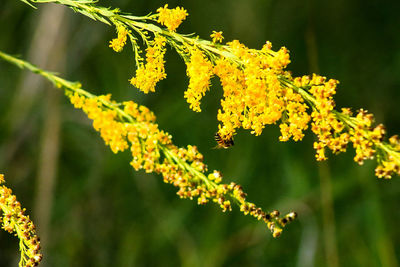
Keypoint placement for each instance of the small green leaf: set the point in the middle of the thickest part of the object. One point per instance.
(87, 14)
(28, 3)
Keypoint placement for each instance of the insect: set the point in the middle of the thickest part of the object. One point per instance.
(223, 143)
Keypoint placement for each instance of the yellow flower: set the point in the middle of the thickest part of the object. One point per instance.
(129, 125)
(253, 94)
(171, 18)
(360, 138)
(148, 75)
(296, 116)
(217, 36)
(104, 121)
(231, 113)
(199, 70)
(387, 168)
(118, 43)
(13, 220)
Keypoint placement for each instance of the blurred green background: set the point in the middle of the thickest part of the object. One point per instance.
(92, 209)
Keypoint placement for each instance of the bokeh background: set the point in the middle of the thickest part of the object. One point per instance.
(92, 209)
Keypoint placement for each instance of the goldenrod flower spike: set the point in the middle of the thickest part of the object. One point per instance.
(14, 221)
(336, 129)
(130, 126)
(257, 89)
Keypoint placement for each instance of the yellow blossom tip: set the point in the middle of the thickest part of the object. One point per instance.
(117, 44)
(148, 75)
(171, 18)
(217, 37)
(199, 70)
(14, 220)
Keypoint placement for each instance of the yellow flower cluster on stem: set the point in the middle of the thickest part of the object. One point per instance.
(336, 129)
(171, 18)
(257, 88)
(199, 70)
(130, 126)
(259, 91)
(118, 43)
(14, 221)
(149, 74)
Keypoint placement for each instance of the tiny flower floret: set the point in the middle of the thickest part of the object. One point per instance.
(217, 37)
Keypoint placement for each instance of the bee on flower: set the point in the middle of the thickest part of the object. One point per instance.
(223, 142)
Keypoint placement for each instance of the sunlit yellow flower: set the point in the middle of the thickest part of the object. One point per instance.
(14, 220)
(171, 18)
(217, 36)
(149, 74)
(118, 43)
(104, 121)
(128, 125)
(199, 70)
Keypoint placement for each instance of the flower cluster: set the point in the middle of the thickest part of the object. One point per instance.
(336, 129)
(253, 96)
(325, 125)
(361, 139)
(149, 74)
(171, 18)
(257, 88)
(199, 70)
(113, 133)
(14, 220)
(232, 105)
(118, 43)
(389, 163)
(128, 125)
(253, 93)
(257, 91)
(295, 119)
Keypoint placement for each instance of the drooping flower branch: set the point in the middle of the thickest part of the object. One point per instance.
(257, 89)
(129, 126)
(14, 221)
